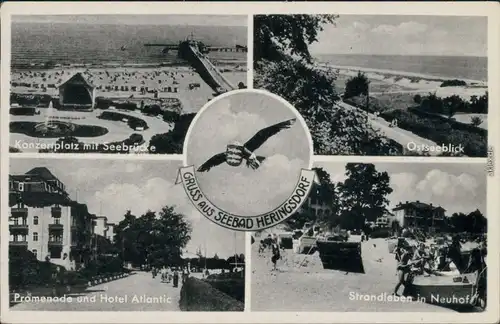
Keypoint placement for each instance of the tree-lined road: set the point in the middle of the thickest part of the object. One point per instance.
(138, 292)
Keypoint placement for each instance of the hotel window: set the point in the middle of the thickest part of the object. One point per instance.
(35, 252)
(57, 221)
(35, 220)
(16, 221)
(35, 236)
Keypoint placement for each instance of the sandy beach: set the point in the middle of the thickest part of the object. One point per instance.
(180, 82)
(398, 88)
(122, 82)
(311, 288)
(387, 82)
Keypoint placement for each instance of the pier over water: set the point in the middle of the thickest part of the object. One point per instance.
(195, 53)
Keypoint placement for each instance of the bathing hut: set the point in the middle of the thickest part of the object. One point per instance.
(77, 93)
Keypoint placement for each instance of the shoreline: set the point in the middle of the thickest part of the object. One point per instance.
(109, 65)
(395, 73)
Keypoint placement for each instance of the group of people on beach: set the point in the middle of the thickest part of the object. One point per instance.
(414, 260)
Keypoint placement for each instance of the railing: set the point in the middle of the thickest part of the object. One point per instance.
(19, 212)
(18, 227)
(55, 242)
(56, 226)
(18, 243)
(56, 212)
(218, 79)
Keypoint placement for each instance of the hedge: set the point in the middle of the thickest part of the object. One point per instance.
(200, 296)
(24, 111)
(440, 132)
(133, 122)
(232, 287)
(455, 124)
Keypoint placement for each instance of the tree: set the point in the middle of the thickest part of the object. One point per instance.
(417, 99)
(477, 222)
(458, 222)
(479, 105)
(453, 104)
(301, 217)
(432, 104)
(357, 85)
(171, 233)
(165, 143)
(363, 194)
(172, 142)
(151, 238)
(476, 121)
(275, 36)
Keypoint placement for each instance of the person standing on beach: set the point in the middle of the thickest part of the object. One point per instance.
(275, 252)
(403, 268)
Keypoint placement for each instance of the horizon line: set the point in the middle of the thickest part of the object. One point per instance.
(388, 54)
(125, 24)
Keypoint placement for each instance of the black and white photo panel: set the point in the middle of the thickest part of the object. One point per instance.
(398, 85)
(379, 237)
(118, 84)
(110, 235)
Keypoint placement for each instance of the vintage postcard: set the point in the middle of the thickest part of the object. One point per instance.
(230, 162)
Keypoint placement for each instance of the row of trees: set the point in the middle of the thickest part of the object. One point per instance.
(474, 222)
(453, 104)
(284, 66)
(215, 262)
(153, 238)
(362, 196)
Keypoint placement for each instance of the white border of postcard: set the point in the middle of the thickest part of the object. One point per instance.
(491, 10)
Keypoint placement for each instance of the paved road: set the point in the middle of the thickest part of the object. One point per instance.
(105, 297)
(399, 135)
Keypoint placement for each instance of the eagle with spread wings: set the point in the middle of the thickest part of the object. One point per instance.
(236, 153)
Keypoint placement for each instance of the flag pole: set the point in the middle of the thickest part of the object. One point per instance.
(235, 254)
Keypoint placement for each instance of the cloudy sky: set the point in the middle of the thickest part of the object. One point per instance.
(404, 35)
(197, 20)
(241, 190)
(455, 187)
(121, 185)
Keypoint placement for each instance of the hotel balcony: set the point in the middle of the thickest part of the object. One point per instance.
(56, 227)
(55, 242)
(19, 212)
(19, 227)
(19, 243)
(56, 212)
